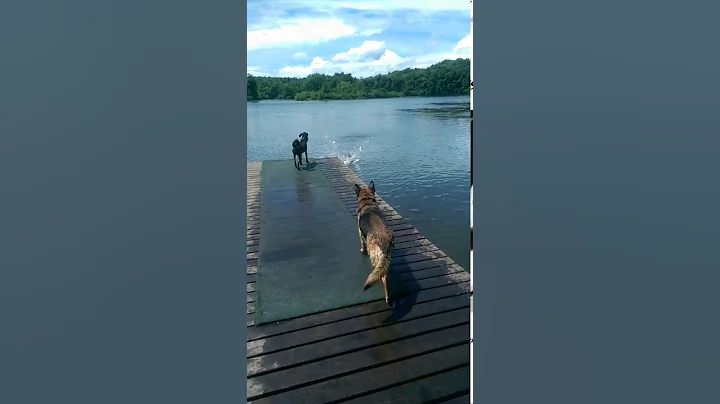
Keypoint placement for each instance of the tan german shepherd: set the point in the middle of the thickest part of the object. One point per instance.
(376, 237)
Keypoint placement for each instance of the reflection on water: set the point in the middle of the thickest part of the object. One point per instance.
(449, 110)
(417, 150)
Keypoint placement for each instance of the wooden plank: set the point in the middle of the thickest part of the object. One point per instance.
(350, 326)
(431, 273)
(399, 226)
(325, 349)
(463, 399)
(448, 279)
(413, 240)
(398, 239)
(419, 265)
(405, 232)
(327, 369)
(254, 198)
(314, 320)
(353, 385)
(447, 387)
(423, 256)
(349, 199)
(396, 223)
(414, 251)
(450, 274)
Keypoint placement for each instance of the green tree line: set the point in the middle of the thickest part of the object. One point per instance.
(449, 77)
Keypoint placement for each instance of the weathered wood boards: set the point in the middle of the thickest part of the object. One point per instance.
(366, 353)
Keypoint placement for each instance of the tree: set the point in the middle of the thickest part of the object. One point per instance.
(252, 88)
(450, 77)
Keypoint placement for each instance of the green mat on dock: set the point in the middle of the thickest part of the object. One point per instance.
(309, 257)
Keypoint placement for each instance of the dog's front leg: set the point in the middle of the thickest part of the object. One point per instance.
(363, 244)
(306, 159)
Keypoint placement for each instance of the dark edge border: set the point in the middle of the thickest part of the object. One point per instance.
(242, 323)
(473, 323)
(472, 199)
(122, 136)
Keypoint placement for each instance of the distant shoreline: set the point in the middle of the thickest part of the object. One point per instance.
(447, 78)
(362, 98)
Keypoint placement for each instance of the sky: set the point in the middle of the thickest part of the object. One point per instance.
(295, 38)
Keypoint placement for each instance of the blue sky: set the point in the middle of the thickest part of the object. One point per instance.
(294, 38)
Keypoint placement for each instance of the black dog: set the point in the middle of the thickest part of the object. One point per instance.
(298, 148)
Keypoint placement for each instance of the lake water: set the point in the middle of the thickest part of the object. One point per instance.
(417, 150)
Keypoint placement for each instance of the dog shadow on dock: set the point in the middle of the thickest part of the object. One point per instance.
(309, 166)
(403, 289)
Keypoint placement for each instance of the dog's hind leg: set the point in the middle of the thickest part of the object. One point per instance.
(363, 242)
(385, 288)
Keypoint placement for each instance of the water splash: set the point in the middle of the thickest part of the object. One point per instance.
(349, 158)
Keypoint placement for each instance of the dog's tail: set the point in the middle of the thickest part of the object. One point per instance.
(380, 261)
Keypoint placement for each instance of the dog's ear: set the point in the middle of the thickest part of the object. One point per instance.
(372, 186)
(357, 189)
(300, 135)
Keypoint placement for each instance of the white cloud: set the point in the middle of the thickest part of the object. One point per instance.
(317, 64)
(462, 50)
(376, 5)
(300, 55)
(257, 71)
(463, 44)
(302, 32)
(372, 57)
(388, 61)
(367, 49)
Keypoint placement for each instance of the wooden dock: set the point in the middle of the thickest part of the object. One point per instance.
(360, 354)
